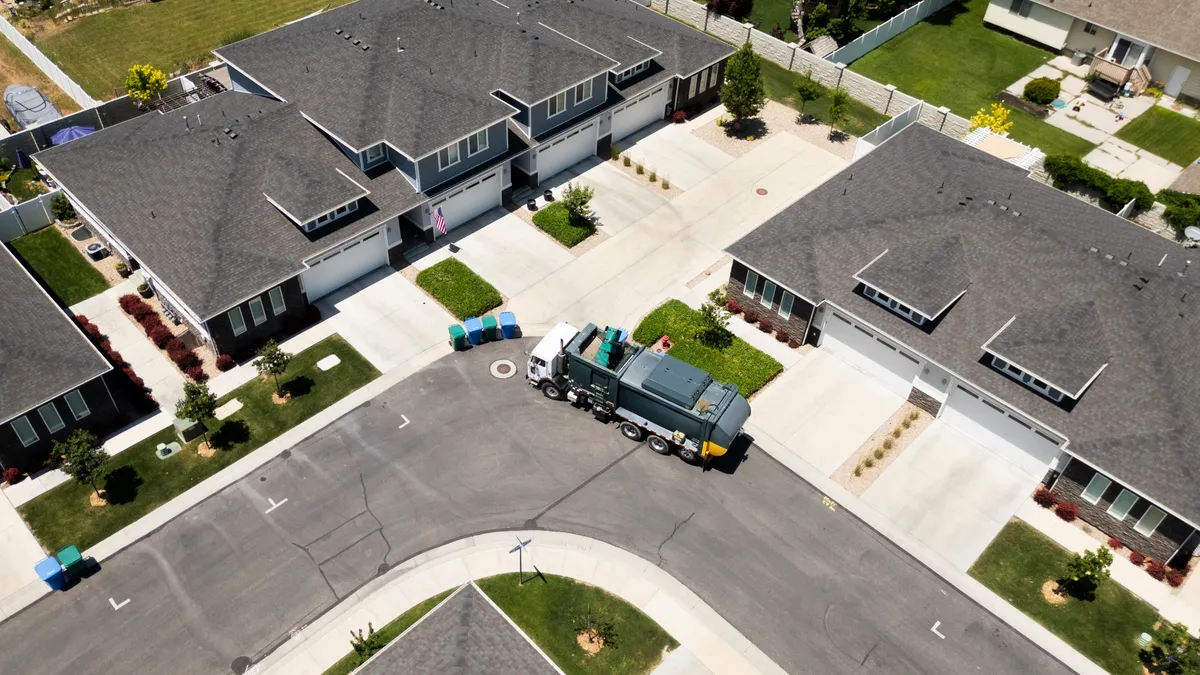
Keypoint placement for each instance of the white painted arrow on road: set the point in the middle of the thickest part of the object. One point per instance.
(274, 505)
(116, 605)
(935, 629)
(405, 422)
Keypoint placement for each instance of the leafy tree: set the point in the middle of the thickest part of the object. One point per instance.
(84, 458)
(144, 82)
(366, 646)
(198, 403)
(996, 120)
(61, 207)
(714, 321)
(807, 90)
(576, 199)
(1173, 652)
(1089, 567)
(5, 162)
(596, 627)
(272, 361)
(839, 106)
(816, 22)
(743, 94)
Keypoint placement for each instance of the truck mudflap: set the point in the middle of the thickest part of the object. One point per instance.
(711, 449)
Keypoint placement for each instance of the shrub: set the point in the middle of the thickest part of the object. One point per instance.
(81, 320)
(1044, 497)
(734, 9)
(888, 444)
(186, 360)
(749, 317)
(1137, 558)
(197, 374)
(626, 161)
(906, 423)
(869, 462)
(679, 116)
(721, 121)
(666, 184)
(640, 169)
(93, 331)
(11, 475)
(1175, 578)
(133, 377)
(897, 432)
(653, 176)
(733, 306)
(781, 336)
(160, 335)
(1183, 209)
(1068, 511)
(115, 356)
(879, 453)
(1156, 570)
(1068, 170)
(1115, 544)
(149, 322)
(765, 326)
(613, 152)
(1042, 90)
(225, 362)
(858, 470)
(128, 301)
(61, 207)
(174, 345)
(794, 344)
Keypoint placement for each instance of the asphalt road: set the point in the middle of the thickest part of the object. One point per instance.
(813, 587)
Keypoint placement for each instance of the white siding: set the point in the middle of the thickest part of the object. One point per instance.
(1044, 25)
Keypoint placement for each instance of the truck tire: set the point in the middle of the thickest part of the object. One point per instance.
(552, 392)
(659, 444)
(688, 455)
(632, 431)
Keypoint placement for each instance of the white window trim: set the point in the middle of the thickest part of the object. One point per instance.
(692, 85)
(481, 141)
(787, 300)
(448, 164)
(237, 311)
(1096, 477)
(370, 159)
(554, 101)
(261, 315)
(1117, 40)
(330, 216)
(580, 87)
(703, 80)
(1089, 28)
(50, 427)
(86, 410)
(893, 304)
(765, 299)
(1027, 379)
(1162, 515)
(748, 287)
(277, 308)
(29, 426)
(1112, 507)
(712, 75)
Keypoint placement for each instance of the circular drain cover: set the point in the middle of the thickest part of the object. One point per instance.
(761, 191)
(383, 568)
(285, 454)
(241, 664)
(503, 369)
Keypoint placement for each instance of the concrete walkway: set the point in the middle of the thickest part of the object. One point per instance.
(708, 643)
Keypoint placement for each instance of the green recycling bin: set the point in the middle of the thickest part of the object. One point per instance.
(458, 338)
(72, 562)
(490, 328)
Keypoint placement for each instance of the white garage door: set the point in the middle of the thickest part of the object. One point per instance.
(994, 427)
(874, 355)
(338, 268)
(572, 147)
(647, 108)
(463, 204)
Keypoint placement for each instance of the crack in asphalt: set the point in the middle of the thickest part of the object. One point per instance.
(532, 523)
(672, 535)
(367, 504)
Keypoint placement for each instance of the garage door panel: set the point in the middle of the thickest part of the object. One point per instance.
(338, 268)
(1007, 434)
(877, 357)
(573, 147)
(463, 204)
(636, 115)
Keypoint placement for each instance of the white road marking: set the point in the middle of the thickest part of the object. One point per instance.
(935, 630)
(405, 422)
(274, 505)
(116, 605)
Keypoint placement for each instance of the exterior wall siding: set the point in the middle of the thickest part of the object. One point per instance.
(243, 346)
(573, 112)
(240, 82)
(103, 418)
(1160, 545)
(1163, 64)
(924, 401)
(431, 176)
(1079, 41)
(795, 326)
(702, 98)
(1043, 25)
(404, 164)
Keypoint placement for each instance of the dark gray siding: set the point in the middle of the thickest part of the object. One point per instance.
(403, 163)
(541, 124)
(704, 97)
(243, 346)
(241, 82)
(103, 417)
(431, 177)
(794, 326)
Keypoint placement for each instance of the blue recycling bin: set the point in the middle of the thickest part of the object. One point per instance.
(474, 330)
(49, 571)
(508, 325)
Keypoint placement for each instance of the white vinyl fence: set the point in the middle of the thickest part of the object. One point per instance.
(47, 66)
(884, 131)
(25, 217)
(886, 31)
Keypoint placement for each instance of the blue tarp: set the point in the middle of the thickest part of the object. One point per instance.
(68, 134)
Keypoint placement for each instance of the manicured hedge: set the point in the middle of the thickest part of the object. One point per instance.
(1068, 170)
(555, 221)
(460, 290)
(1042, 90)
(1183, 208)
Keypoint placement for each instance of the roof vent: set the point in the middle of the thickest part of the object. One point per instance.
(347, 36)
(356, 42)
(1183, 272)
(1093, 249)
(1003, 207)
(366, 47)
(337, 31)
(991, 202)
(1016, 213)
(399, 48)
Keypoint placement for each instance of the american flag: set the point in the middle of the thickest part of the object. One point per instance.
(439, 221)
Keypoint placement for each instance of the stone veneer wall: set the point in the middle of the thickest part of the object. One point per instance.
(795, 326)
(924, 401)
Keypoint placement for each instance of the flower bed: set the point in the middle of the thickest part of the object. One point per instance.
(184, 358)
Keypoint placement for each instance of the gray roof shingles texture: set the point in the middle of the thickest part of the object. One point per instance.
(43, 354)
(1139, 419)
(926, 275)
(1173, 25)
(464, 636)
(193, 210)
(1063, 344)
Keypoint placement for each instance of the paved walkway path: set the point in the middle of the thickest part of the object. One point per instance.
(708, 643)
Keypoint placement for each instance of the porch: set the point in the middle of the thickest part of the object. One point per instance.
(1112, 72)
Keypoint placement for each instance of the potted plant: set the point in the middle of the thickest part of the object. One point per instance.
(123, 270)
(144, 290)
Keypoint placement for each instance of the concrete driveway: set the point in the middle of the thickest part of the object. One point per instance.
(951, 493)
(823, 409)
(672, 151)
(619, 201)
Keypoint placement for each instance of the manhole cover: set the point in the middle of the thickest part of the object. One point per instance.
(503, 369)
(383, 568)
(761, 191)
(240, 665)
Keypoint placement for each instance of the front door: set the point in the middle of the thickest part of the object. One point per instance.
(1179, 77)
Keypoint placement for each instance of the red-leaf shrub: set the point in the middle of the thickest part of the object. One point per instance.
(225, 362)
(679, 117)
(93, 331)
(174, 345)
(733, 306)
(128, 301)
(133, 377)
(197, 373)
(748, 317)
(12, 474)
(1175, 578)
(1115, 544)
(1136, 558)
(81, 320)
(765, 326)
(1156, 570)
(1044, 498)
(793, 344)
(1068, 511)
(115, 356)
(149, 321)
(160, 335)
(185, 359)
(781, 336)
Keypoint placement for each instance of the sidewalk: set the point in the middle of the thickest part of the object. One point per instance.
(708, 643)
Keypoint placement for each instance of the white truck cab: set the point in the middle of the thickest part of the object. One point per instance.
(541, 367)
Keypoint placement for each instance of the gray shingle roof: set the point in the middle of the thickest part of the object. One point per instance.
(43, 354)
(1063, 344)
(926, 275)
(305, 191)
(465, 636)
(1168, 24)
(1139, 419)
(189, 202)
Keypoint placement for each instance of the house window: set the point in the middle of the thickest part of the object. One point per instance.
(237, 321)
(768, 293)
(1089, 28)
(477, 143)
(277, 305)
(894, 305)
(785, 305)
(373, 155)
(332, 215)
(692, 85)
(703, 80)
(448, 156)
(583, 92)
(1027, 379)
(751, 283)
(50, 416)
(712, 75)
(1095, 488)
(1019, 7)
(1122, 504)
(258, 313)
(630, 72)
(556, 104)
(25, 432)
(1148, 523)
(77, 405)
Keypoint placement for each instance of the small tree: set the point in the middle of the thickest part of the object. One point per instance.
(1087, 567)
(1173, 652)
(272, 361)
(807, 90)
(61, 207)
(839, 105)
(743, 94)
(84, 459)
(366, 646)
(816, 21)
(198, 403)
(576, 199)
(596, 627)
(996, 120)
(714, 321)
(144, 82)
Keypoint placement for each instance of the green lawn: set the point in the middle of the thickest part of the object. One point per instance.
(138, 481)
(556, 222)
(766, 14)
(462, 292)
(389, 632)
(1104, 629)
(24, 184)
(60, 266)
(545, 611)
(952, 59)
(780, 84)
(1165, 133)
(738, 363)
(96, 51)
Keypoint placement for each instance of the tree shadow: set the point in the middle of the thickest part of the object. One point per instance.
(297, 387)
(745, 128)
(231, 433)
(838, 136)
(1084, 589)
(121, 485)
(944, 17)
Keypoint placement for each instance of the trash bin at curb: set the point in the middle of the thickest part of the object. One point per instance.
(489, 328)
(458, 338)
(508, 325)
(72, 563)
(474, 330)
(49, 571)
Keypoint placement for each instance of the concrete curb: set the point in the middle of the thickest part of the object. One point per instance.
(714, 643)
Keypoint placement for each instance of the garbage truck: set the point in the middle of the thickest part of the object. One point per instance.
(674, 406)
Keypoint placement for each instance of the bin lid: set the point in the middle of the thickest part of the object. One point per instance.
(47, 568)
(508, 319)
(473, 323)
(457, 331)
(489, 321)
(69, 556)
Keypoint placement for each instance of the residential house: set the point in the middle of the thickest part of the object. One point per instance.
(1162, 35)
(53, 380)
(1059, 335)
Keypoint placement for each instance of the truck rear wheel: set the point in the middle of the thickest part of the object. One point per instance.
(689, 455)
(659, 445)
(551, 391)
(632, 431)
